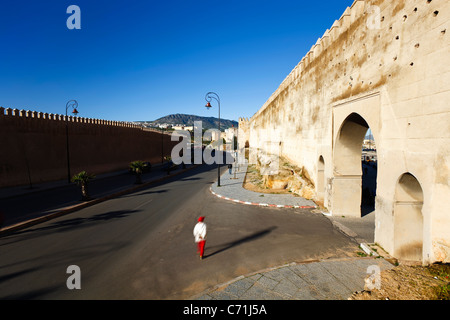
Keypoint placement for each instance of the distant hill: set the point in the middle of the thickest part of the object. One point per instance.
(188, 120)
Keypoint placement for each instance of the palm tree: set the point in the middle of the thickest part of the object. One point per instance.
(168, 159)
(137, 167)
(82, 180)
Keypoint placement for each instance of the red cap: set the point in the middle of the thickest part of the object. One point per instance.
(201, 219)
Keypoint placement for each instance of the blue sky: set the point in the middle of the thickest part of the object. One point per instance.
(141, 60)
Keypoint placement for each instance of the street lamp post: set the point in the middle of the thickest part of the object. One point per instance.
(162, 145)
(209, 96)
(70, 104)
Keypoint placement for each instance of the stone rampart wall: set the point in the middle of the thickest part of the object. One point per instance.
(33, 147)
(384, 65)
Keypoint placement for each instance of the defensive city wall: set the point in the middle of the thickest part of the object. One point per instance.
(383, 65)
(34, 146)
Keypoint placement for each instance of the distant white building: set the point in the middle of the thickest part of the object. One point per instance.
(164, 126)
(369, 144)
(183, 127)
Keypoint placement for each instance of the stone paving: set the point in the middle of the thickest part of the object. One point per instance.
(322, 280)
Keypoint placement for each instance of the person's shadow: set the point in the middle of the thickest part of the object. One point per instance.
(235, 243)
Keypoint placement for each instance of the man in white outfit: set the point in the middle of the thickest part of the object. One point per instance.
(200, 236)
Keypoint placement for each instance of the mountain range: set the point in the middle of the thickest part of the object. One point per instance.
(188, 120)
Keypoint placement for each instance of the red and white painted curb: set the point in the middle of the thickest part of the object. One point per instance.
(261, 204)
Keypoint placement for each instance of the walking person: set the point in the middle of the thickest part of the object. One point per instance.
(200, 236)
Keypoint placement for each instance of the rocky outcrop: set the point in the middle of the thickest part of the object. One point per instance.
(278, 174)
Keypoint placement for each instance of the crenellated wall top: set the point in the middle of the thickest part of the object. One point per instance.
(9, 112)
(350, 15)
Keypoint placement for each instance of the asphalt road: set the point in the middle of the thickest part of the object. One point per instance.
(140, 246)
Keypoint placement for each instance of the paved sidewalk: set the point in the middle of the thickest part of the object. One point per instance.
(318, 280)
(322, 280)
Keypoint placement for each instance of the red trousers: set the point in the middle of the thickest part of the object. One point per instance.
(201, 247)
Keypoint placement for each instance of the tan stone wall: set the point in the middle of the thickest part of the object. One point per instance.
(243, 133)
(33, 146)
(393, 71)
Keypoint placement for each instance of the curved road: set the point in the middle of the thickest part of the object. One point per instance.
(140, 246)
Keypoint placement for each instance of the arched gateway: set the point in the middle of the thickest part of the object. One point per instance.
(408, 219)
(347, 180)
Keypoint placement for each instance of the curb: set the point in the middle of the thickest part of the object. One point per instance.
(74, 208)
(368, 250)
(261, 204)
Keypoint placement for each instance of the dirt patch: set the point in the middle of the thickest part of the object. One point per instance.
(406, 282)
(254, 181)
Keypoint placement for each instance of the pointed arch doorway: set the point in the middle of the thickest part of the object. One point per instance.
(408, 219)
(350, 195)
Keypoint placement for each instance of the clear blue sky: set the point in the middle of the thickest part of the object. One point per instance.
(141, 60)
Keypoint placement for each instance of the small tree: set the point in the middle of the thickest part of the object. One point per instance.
(82, 179)
(137, 167)
(169, 163)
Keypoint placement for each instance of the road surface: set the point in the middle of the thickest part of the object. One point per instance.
(140, 245)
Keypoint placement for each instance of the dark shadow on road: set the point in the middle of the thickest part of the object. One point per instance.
(190, 179)
(235, 243)
(146, 192)
(225, 182)
(16, 274)
(68, 224)
(32, 295)
(38, 261)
